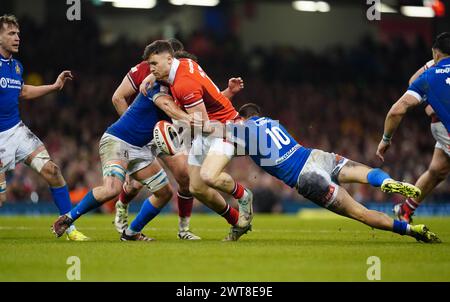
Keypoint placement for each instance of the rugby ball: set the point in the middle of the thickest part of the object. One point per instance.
(166, 137)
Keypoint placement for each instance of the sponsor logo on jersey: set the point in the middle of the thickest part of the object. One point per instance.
(288, 154)
(10, 83)
(442, 70)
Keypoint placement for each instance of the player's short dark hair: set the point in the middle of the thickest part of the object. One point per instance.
(442, 43)
(8, 20)
(157, 47)
(183, 54)
(249, 110)
(176, 44)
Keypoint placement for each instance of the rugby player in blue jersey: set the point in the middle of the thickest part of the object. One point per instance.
(126, 147)
(17, 142)
(316, 174)
(439, 167)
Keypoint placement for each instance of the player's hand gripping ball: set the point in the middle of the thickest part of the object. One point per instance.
(166, 138)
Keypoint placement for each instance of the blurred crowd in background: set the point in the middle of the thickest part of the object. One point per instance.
(335, 101)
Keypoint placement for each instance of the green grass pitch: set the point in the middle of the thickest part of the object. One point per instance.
(306, 247)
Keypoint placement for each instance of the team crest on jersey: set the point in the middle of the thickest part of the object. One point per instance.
(17, 69)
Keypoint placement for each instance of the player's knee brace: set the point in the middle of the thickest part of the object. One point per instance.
(39, 161)
(115, 170)
(157, 181)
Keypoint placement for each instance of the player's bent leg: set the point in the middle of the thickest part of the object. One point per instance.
(345, 205)
(39, 160)
(437, 171)
(112, 186)
(205, 194)
(316, 185)
(211, 173)
(130, 190)
(113, 178)
(213, 200)
(177, 164)
(52, 174)
(155, 179)
(354, 172)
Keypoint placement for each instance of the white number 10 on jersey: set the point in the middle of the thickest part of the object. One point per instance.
(278, 137)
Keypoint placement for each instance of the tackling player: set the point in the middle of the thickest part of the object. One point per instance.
(17, 142)
(316, 174)
(430, 85)
(125, 148)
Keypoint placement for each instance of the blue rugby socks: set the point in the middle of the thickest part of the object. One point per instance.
(145, 215)
(376, 177)
(61, 199)
(87, 204)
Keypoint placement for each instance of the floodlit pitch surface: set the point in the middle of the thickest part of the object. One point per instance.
(309, 247)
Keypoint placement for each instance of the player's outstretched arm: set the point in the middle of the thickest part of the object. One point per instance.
(393, 119)
(234, 86)
(32, 92)
(119, 98)
(166, 104)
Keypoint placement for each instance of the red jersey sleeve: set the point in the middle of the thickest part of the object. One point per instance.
(189, 93)
(138, 73)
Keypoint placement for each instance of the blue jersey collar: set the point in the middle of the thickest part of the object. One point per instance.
(445, 61)
(2, 58)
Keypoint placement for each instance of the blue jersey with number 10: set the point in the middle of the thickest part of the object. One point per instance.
(272, 148)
